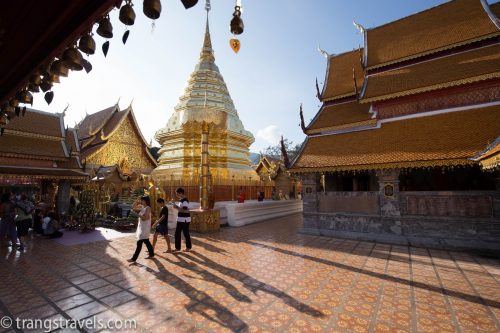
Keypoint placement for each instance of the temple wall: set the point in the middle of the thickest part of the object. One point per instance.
(450, 219)
(349, 202)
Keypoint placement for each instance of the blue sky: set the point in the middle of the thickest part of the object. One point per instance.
(272, 74)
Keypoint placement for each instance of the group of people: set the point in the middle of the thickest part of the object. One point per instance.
(160, 226)
(18, 215)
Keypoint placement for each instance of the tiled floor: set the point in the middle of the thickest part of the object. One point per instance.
(261, 278)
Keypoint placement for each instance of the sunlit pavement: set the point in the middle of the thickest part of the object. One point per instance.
(261, 278)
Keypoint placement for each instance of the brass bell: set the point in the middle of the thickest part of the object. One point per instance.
(58, 68)
(127, 14)
(36, 79)
(45, 85)
(33, 88)
(152, 8)
(72, 59)
(51, 78)
(87, 44)
(105, 29)
(237, 23)
(13, 102)
(24, 96)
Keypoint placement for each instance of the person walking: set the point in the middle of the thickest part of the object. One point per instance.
(143, 228)
(7, 225)
(24, 218)
(161, 225)
(183, 220)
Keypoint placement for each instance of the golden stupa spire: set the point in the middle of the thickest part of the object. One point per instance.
(207, 53)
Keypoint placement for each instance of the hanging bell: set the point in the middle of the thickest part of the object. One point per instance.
(152, 8)
(58, 68)
(105, 29)
(189, 3)
(36, 79)
(72, 59)
(87, 44)
(33, 88)
(24, 96)
(127, 14)
(14, 102)
(51, 78)
(46, 85)
(237, 23)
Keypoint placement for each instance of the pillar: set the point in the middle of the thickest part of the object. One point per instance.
(204, 166)
(388, 180)
(63, 195)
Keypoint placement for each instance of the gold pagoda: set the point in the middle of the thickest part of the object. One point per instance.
(206, 100)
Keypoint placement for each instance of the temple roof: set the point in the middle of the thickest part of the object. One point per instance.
(31, 147)
(97, 128)
(339, 80)
(93, 123)
(72, 140)
(348, 114)
(43, 173)
(448, 71)
(451, 138)
(38, 122)
(439, 28)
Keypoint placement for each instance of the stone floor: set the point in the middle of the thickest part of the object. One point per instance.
(261, 278)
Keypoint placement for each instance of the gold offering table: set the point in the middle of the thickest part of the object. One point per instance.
(205, 220)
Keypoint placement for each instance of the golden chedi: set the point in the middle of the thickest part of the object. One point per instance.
(205, 100)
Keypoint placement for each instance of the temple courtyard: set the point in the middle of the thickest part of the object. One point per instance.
(265, 277)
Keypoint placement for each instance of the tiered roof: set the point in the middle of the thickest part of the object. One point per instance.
(343, 72)
(37, 145)
(439, 28)
(453, 44)
(338, 116)
(96, 129)
(452, 138)
(448, 71)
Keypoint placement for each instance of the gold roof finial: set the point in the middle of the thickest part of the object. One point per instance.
(207, 53)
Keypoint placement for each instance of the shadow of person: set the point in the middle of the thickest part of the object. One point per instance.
(199, 301)
(253, 284)
(207, 276)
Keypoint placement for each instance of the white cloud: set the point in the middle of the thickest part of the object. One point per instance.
(270, 134)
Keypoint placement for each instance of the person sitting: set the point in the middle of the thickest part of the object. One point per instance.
(38, 221)
(241, 196)
(51, 226)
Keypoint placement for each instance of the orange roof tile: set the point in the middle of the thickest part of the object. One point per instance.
(93, 123)
(452, 70)
(332, 116)
(443, 139)
(72, 140)
(37, 122)
(450, 24)
(114, 122)
(43, 173)
(31, 147)
(339, 81)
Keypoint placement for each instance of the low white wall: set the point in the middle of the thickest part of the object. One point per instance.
(239, 214)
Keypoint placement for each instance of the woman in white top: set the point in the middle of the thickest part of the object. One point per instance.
(143, 228)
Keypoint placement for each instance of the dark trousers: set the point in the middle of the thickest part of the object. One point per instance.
(139, 248)
(184, 228)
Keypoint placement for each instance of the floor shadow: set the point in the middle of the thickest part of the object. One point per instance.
(200, 301)
(208, 247)
(207, 276)
(416, 284)
(253, 284)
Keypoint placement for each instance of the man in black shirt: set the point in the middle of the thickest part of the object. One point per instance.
(161, 225)
(183, 220)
